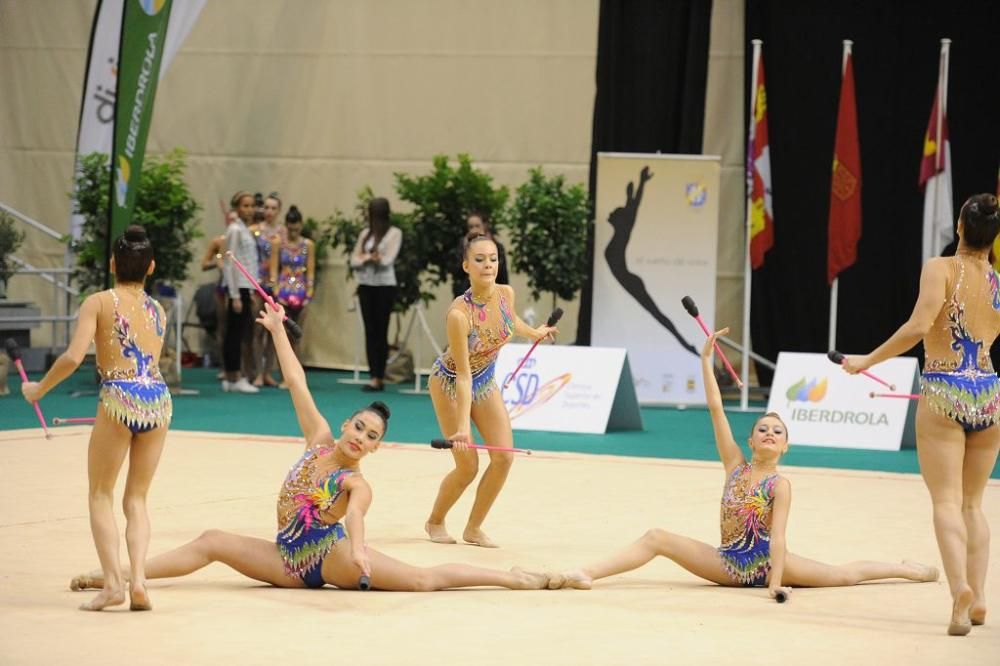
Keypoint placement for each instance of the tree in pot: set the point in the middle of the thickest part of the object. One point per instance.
(164, 206)
(441, 201)
(10, 240)
(548, 226)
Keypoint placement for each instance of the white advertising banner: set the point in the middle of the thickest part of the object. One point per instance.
(568, 389)
(97, 110)
(825, 406)
(655, 238)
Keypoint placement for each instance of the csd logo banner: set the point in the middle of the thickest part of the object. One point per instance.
(825, 406)
(568, 389)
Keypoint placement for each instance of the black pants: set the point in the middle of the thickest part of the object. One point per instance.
(237, 330)
(376, 308)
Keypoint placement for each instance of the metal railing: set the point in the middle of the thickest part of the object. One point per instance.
(63, 294)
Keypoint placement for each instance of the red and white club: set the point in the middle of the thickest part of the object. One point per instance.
(904, 396)
(692, 310)
(446, 444)
(72, 420)
(553, 320)
(839, 359)
(292, 327)
(14, 351)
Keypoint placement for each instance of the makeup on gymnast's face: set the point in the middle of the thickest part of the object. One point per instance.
(362, 433)
(481, 259)
(769, 433)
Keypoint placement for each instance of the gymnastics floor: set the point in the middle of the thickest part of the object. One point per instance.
(558, 510)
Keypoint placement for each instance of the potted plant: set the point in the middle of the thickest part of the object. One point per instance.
(441, 201)
(548, 224)
(10, 240)
(164, 206)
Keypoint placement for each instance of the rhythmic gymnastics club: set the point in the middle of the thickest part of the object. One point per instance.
(692, 310)
(905, 396)
(840, 359)
(292, 327)
(70, 421)
(446, 444)
(15, 355)
(781, 596)
(364, 583)
(553, 320)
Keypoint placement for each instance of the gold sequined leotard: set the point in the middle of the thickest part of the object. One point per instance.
(309, 518)
(490, 328)
(958, 379)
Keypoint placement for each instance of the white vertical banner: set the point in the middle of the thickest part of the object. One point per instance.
(655, 241)
(97, 109)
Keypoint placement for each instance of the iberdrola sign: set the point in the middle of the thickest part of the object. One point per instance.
(144, 28)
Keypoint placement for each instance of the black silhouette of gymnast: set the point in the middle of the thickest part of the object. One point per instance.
(622, 221)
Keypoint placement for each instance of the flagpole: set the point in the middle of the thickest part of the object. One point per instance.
(939, 156)
(833, 288)
(747, 269)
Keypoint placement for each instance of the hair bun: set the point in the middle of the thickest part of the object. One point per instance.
(989, 205)
(135, 234)
(381, 409)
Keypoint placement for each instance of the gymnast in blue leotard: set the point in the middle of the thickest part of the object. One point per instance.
(127, 328)
(957, 315)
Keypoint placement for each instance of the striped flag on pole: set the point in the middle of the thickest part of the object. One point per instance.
(935, 169)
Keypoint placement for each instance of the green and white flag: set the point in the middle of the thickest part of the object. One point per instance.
(144, 29)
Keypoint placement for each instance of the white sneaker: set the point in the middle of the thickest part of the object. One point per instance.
(227, 386)
(243, 386)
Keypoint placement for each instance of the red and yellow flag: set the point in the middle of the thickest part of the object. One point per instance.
(759, 171)
(845, 187)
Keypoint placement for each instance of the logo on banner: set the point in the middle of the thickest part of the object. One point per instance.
(696, 194)
(803, 391)
(813, 391)
(528, 391)
(152, 7)
(122, 175)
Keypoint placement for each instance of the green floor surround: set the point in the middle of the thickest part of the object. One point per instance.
(669, 432)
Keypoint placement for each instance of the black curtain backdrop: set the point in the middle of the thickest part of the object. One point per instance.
(896, 48)
(652, 64)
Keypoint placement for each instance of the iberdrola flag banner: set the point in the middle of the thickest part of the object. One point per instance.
(144, 28)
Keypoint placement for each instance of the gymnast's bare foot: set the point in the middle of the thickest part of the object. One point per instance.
(88, 581)
(923, 573)
(139, 598)
(977, 614)
(961, 624)
(529, 580)
(477, 538)
(438, 533)
(106, 597)
(576, 580)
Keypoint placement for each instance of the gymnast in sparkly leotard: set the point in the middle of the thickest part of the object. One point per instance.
(755, 505)
(321, 510)
(127, 328)
(464, 390)
(957, 316)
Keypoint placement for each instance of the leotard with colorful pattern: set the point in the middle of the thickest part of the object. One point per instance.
(746, 527)
(135, 394)
(305, 536)
(958, 379)
(489, 330)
